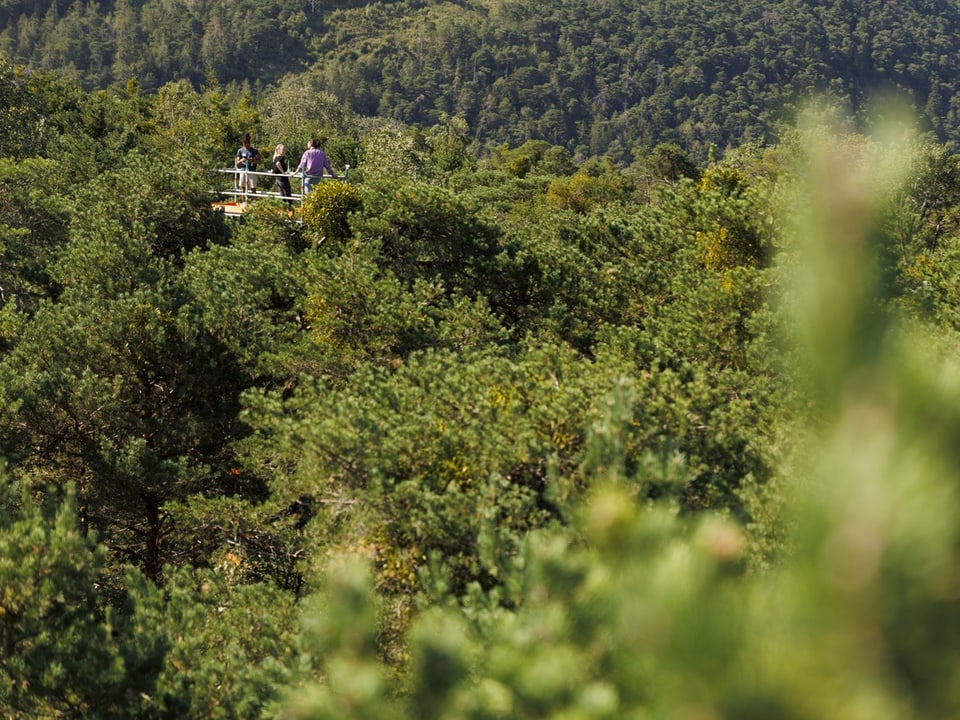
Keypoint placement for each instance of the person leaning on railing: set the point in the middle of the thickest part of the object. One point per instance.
(312, 164)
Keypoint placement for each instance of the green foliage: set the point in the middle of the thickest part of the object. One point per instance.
(671, 163)
(583, 191)
(356, 313)
(448, 141)
(544, 399)
(60, 656)
(106, 403)
(341, 633)
(391, 155)
(730, 242)
(353, 313)
(48, 575)
(430, 234)
(194, 129)
(82, 131)
(327, 209)
(33, 227)
(232, 649)
(301, 108)
(98, 382)
(248, 295)
(702, 78)
(141, 213)
(635, 610)
(528, 157)
(435, 483)
(20, 119)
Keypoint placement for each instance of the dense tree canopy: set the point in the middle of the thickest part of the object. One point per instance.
(476, 433)
(593, 78)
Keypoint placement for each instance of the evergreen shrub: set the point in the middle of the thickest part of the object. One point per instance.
(326, 210)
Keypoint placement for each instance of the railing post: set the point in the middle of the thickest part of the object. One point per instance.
(303, 189)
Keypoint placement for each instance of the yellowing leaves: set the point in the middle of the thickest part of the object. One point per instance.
(327, 208)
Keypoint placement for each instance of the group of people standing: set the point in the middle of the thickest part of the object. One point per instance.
(313, 162)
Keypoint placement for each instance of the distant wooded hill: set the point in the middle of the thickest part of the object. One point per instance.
(595, 77)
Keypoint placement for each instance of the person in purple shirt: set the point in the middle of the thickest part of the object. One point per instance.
(312, 164)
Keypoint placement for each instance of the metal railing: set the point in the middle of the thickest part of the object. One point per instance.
(241, 195)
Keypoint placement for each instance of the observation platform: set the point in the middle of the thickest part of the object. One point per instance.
(233, 201)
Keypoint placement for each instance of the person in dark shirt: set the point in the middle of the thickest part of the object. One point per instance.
(281, 170)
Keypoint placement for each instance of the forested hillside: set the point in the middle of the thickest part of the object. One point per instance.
(483, 433)
(595, 78)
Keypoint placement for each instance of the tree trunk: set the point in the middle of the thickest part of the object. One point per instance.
(151, 559)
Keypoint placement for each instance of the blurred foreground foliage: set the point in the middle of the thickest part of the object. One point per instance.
(519, 438)
(637, 609)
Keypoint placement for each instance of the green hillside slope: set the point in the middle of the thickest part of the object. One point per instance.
(593, 77)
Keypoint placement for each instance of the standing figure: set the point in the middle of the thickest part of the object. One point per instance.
(281, 170)
(312, 164)
(246, 161)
